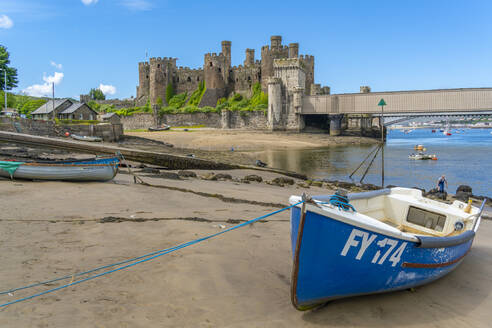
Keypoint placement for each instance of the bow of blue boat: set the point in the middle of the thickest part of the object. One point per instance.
(375, 242)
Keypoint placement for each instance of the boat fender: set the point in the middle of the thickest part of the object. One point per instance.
(439, 242)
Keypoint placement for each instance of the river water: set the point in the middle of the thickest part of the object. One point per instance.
(465, 157)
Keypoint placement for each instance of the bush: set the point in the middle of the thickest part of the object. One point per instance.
(169, 92)
(63, 121)
(178, 101)
(197, 95)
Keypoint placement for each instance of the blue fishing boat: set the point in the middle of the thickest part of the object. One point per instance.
(95, 169)
(375, 242)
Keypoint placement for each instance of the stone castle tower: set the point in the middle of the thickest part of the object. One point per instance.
(221, 79)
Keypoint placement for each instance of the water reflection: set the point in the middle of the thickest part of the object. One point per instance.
(465, 158)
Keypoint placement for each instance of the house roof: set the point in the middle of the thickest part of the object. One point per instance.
(74, 107)
(48, 107)
(108, 115)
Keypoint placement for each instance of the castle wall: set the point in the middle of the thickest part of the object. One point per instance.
(187, 80)
(215, 71)
(244, 77)
(161, 71)
(143, 88)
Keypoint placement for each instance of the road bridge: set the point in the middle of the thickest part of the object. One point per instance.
(290, 108)
(359, 110)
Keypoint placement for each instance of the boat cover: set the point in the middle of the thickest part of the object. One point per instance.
(10, 167)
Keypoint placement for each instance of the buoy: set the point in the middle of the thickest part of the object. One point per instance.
(434, 158)
(67, 134)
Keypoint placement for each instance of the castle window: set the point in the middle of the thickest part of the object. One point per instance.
(158, 65)
(177, 79)
(249, 78)
(210, 64)
(147, 76)
(220, 70)
(189, 79)
(237, 80)
(198, 78)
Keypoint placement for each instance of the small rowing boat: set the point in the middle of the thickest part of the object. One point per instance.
(375, 242)
(86, 138)
(99, 169)
(422, 156)
(164, 127)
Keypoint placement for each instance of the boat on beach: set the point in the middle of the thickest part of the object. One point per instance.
(375, 242)
(86, 138)
(98, 169)
(164, 127)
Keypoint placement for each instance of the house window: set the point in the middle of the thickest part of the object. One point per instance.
(81, 117)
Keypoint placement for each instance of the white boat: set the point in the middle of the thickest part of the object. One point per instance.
(86, 138)
(100, 169)
(423, 156)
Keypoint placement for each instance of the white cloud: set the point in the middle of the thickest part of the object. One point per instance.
(5, 22)
(142, 5)
(55, 65)
(40, 90)
(89, 2)
(107, 89)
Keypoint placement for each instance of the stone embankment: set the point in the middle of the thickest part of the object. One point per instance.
(224, 120)
(106, 131)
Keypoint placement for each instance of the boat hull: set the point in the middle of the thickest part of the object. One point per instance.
(336, 259)
(87, 170)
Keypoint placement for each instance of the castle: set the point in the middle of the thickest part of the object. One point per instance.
(221, 79)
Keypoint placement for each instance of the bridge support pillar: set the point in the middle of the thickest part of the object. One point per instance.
(336, 125)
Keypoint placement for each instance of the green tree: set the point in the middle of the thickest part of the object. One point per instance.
(11, 72)
(159, 102)
(96, 94)
(169, 92)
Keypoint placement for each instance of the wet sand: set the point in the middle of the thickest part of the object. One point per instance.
(240, 279)
(246, 140)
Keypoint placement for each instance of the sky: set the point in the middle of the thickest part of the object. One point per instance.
(387, 45)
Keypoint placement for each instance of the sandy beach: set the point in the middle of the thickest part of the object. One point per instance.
(245, 140)
(240, 279)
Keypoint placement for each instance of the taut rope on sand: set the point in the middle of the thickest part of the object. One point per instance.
(136, 260)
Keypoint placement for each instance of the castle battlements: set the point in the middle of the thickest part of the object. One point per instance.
(306, 57)
(214, 55)
(288, 63)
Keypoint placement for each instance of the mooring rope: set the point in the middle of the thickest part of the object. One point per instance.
(140, 259)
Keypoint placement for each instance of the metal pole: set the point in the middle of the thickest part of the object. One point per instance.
(5, 88)
(382, 147)
(53, 99)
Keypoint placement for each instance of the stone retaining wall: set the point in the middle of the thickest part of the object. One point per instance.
(138, 121)
(106, 131)
(225, 120)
